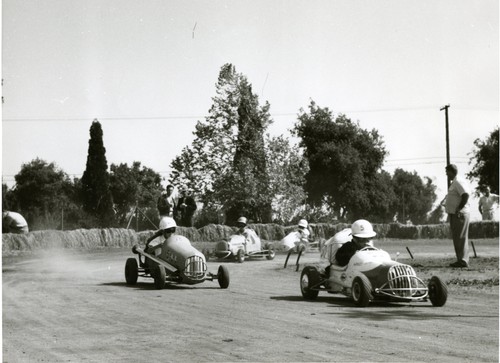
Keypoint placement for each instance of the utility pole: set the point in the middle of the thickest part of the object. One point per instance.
(445, 108)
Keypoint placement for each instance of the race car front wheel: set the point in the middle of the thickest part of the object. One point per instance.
(271, 253)
(240, 256)
(159, 276)
(309, 281)
(361, 291)
(223, 277)
(438, 292)
(131, 271)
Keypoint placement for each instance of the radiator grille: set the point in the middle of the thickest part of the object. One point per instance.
(195, 267)
(403, 280)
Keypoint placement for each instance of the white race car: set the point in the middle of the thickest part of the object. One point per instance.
(370, 275)
(174, 261)
(239, 248)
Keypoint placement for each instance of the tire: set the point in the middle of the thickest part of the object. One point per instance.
(361, 291)
(271, 254)
(308, 278)
(159, 277)
(131, 271)
(223, 277)
(240, 256)
(438, 292)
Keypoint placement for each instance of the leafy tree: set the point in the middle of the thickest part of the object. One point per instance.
(415, 197)
(210, 159)
(343, 161)
(244, 190)
(95, 186)
(287, 168)
(485, 159)
(8, 198)
(135, 186)
(381, 198)
(41, 190)
(212, 151)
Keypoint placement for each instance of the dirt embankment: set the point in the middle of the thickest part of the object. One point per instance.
(120, 237)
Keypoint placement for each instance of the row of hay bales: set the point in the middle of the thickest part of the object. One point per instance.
(120, 237)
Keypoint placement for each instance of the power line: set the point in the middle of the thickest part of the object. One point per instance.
(191, 117)
(99, 118)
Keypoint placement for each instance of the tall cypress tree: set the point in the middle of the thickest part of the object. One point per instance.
(96, 194)
(249, 165)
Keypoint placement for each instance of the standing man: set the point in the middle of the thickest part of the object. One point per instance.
(487, 203)
(166, 203)
(457, 207)
(186, 208)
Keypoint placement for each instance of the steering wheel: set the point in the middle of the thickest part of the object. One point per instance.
(369, 248)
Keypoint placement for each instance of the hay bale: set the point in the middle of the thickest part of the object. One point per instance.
(268, 232)
(215, 232)
(79, 238)
(191, 233)
(483, 229)
(435, 231)
(402, 231)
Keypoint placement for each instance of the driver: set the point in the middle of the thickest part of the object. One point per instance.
(249, 234)
(167, 229)
(362, 234)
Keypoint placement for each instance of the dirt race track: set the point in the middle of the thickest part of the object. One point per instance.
(74, 306)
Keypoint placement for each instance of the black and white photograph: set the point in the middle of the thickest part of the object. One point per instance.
(250, 181)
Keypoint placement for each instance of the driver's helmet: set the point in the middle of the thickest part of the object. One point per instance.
(363, 229)
(167, 223)
(303, 223)
(242, 220)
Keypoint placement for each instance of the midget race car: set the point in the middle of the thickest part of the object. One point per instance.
(174, 261)
(239, 248)
(295, 243)
(371, 275)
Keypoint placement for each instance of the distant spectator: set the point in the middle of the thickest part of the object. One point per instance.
(395, 218)
(166, 203)
(457, 207)
(487, 204)
(186, 208)
(13, 222)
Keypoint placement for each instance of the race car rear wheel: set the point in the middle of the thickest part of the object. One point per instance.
(438, 292)
(361, 291)
(309, 279)
(131, 271)
(240, 256)
(223, 277)
(159, 276)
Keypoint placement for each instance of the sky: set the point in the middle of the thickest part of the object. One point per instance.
(147, 71)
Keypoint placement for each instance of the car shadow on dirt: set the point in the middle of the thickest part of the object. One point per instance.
(412, 312)
(320, 299)
(416, 311)
(150, 286)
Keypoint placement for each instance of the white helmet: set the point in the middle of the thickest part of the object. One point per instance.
(303, 223)
(242, 220)
(363, 229)
(167, 222)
